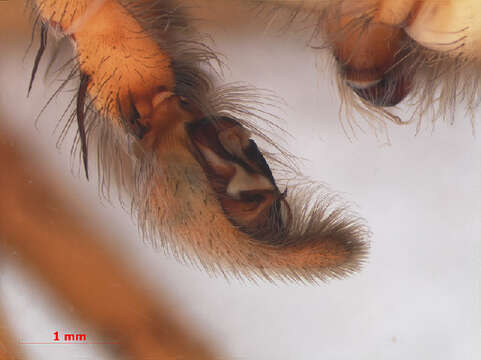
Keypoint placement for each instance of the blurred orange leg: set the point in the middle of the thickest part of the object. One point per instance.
(48, 236)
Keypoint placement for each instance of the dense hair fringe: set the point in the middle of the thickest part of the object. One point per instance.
(123, 164)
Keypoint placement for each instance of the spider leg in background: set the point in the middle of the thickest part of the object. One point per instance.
(47, 235)
(8, 349)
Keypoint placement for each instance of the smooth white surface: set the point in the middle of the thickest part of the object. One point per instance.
(419, 294)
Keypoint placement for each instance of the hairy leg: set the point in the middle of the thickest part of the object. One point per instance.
(183, 147)
(147, 82)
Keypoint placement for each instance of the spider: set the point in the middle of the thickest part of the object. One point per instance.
(240, 191)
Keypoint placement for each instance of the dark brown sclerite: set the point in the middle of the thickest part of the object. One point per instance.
(256, 212)
(390, 91)
(393, 85)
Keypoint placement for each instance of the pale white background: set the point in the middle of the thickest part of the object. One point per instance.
(418, 296)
